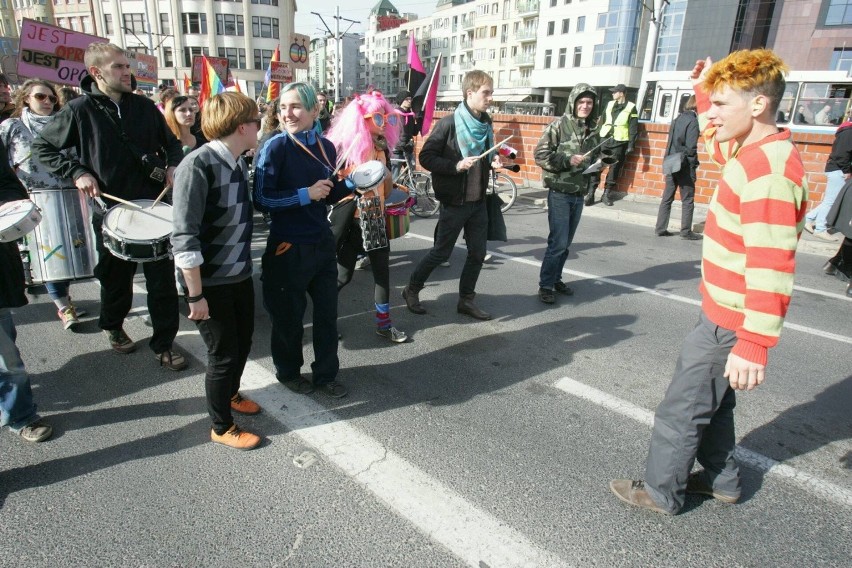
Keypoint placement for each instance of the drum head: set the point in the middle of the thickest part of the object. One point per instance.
(17, 218)
(396, 197)
(134, 224)
(368, 174)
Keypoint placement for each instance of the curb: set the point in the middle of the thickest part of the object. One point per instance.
(538, 197)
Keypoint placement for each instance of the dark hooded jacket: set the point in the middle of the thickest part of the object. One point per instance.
(12, 285)
(840, 157)
(101, 151)
(563, 138)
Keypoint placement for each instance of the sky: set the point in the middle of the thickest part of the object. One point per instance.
(309, 24)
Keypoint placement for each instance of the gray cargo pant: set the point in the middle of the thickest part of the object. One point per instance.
(695, 420)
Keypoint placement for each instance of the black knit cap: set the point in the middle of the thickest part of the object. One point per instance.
(401, 96)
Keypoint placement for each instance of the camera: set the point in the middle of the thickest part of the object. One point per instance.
(155, 167)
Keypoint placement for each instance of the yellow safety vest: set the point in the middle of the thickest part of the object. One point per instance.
(619, 127)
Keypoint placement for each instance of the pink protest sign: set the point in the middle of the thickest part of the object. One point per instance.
(52, 53)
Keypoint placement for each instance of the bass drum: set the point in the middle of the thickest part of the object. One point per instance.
(62, 246)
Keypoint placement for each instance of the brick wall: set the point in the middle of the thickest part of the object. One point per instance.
(643, 171)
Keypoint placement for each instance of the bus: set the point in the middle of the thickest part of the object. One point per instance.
(814, 101)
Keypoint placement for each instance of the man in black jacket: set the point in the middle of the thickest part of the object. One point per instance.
(460, 173)
(410, 128)
(124, 148)
(683, 139)
(17, 409)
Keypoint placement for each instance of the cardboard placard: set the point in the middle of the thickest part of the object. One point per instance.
(219, 64)
(9, 58)
(280, 72)
(52, 53)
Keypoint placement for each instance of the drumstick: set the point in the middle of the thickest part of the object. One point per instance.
(159, 197)
(485, 153)
(586, 155)
(135, 206)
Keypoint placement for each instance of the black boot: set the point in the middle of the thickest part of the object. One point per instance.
(467, 307)
(412, 300)
(590, 196)
(605, 198)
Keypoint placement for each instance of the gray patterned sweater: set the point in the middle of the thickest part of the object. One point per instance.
(212, 216)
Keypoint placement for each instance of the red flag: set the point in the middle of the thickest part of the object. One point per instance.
(187, 84)
(427, 97)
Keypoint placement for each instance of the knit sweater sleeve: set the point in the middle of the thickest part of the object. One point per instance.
(189, 200)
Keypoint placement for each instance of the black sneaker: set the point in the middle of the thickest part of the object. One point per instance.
(690, 236)
(299, 385)
(38, 431)
(563, 288)
(333, 389)
(546, 295)
(119, 341)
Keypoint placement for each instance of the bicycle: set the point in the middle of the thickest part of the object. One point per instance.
(420, 186)
(505, 187)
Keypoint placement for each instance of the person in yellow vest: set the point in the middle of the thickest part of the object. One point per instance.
(619, 125)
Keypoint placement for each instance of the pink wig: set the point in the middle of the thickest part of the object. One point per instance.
(350, 125)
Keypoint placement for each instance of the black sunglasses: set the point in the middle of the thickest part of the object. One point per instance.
(41, 97)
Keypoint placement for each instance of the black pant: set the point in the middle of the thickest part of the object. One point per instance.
(349, 243)
(227, 335)
(288, 278)
(843, 259)
(685, 180)
(617, 151)
(116, 278)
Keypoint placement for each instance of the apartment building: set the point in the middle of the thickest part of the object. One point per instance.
(323, 56)
(245, 31)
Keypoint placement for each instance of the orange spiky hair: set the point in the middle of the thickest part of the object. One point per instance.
(756, 71)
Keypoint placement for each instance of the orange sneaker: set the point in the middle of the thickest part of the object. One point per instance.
(243, 405)
(236, 438)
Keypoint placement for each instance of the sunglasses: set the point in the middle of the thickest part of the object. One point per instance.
(40, 97)
(380, 120)
(256, 122)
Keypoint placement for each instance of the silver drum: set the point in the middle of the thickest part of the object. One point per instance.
(62, 246)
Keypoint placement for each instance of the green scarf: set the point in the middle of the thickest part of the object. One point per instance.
(473, 135)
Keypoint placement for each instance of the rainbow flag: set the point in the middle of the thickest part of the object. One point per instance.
(211, 85)
(186, 84)
(274, 89)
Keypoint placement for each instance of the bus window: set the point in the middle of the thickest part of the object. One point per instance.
(824, 104)
(785, 109)
(682, 103)
(665, 108)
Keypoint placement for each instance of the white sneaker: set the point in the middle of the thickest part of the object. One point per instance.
(809, 227)
(393, 334)
(825, 236)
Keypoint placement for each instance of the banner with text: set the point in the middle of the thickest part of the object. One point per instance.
(52, 53)
(280, 72)
(144, 66)
(219, 64)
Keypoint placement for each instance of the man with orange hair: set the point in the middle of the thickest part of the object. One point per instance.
(748, 262)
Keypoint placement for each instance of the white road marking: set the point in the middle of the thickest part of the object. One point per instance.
(659, 293)
(813, 484)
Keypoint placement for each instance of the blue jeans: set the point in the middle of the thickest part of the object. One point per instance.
(563, 216)
(58, 289)
(833, 185)
(17, 409)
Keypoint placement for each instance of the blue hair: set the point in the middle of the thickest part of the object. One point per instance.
(307, 93)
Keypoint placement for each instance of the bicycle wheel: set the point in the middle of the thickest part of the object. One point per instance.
(506, 188)
(425, 204)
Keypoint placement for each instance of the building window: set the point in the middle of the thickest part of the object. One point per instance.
(236, 56)
(553, 3)
(839, 13)
(581, 24)
(107, 24)
(190, 52)
(548, 55)
(621, 35)
(562, 56)
(671, 32)
(578, 55)
(841, 60)
(229, 25)
(165, 27)
(168, 57)
(264, 27)
(134, 23)
(193, 23)
(566, 25)
(262, 57)
(266, 2)
(87, 24)
(551, 26)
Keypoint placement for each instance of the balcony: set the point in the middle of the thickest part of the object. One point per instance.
(527, 34)
(466, 66)
(468, 23)
(527, 7)
(524, 60)
(466, 44)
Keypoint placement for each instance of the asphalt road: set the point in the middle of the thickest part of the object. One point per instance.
(485, 444)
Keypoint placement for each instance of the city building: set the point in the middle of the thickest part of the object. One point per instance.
(323, 56)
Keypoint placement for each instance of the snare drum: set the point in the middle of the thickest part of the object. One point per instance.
(18, 218)
(62, 247)
(368, 176)
(139, 234)
(397, 219)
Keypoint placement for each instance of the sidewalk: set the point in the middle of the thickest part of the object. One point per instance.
(642, 210)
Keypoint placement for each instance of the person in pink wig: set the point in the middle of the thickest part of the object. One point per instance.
(366, 129)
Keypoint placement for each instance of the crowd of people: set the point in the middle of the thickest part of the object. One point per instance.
(118, 148)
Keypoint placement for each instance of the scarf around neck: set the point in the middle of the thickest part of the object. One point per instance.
(473, 135)
(35, 123)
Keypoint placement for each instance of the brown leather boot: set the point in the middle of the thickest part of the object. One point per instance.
(467, 307)
(412, 300)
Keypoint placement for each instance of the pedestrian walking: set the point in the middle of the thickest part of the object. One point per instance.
(838, 169)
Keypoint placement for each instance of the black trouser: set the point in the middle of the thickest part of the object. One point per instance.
(116, 278)
(683, 179)
(349, 243)
(227, 335)
(616, 151)
(843, 259)
(289, 276)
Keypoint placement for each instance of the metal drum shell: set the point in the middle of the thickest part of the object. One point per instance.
(150, 248)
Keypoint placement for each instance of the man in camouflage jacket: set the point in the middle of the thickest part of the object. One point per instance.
(561, 153)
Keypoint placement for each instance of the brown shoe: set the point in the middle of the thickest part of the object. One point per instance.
(467, 307)
(243, 405)
(633, 493)
(412, 300)
(697, 484)
(172, 360)
(119, 341)
(236, 438)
